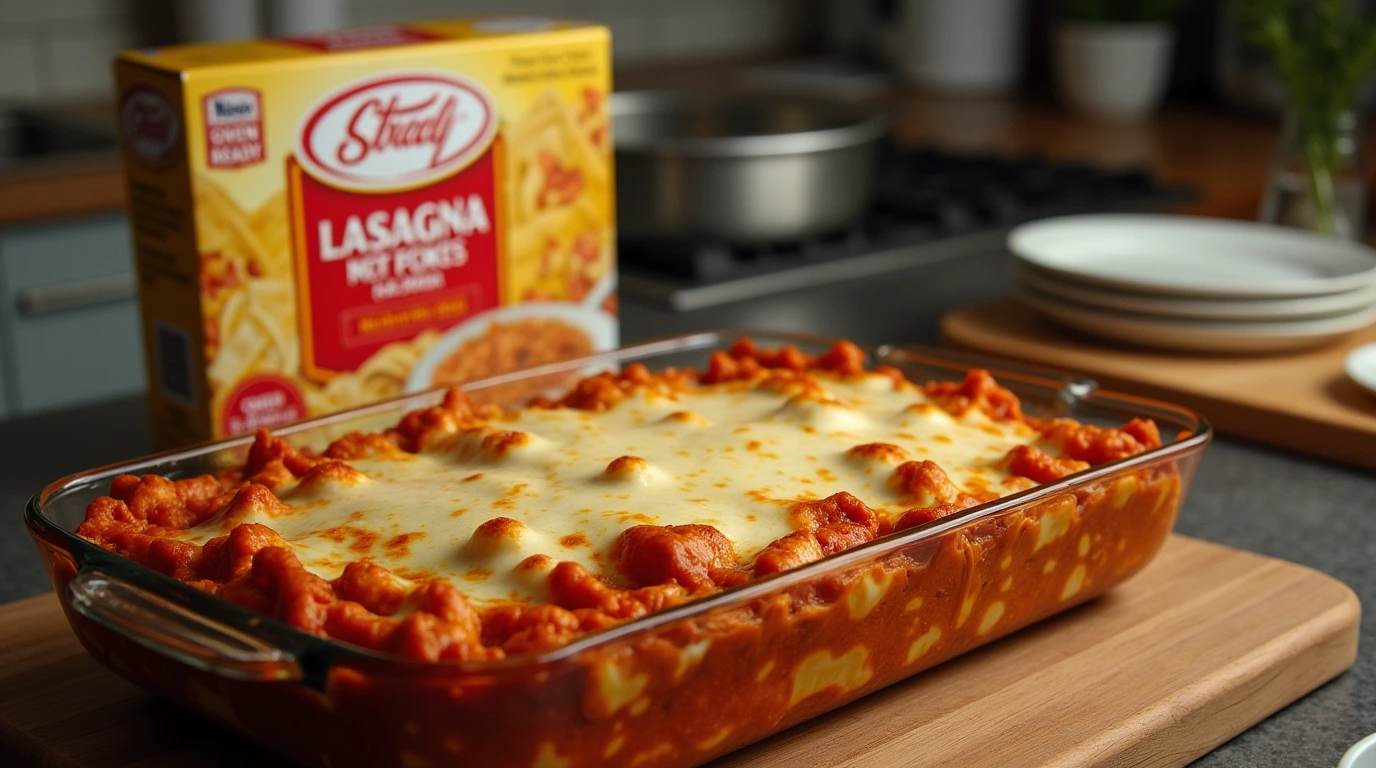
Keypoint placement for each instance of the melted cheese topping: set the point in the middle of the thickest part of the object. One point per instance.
(496, 519)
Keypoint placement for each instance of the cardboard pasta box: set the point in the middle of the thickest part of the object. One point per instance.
(324, 221)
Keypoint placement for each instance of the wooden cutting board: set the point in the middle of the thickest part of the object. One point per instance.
(1202, 644)
(1300, 401)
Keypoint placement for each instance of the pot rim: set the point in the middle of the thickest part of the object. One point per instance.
(861, 127)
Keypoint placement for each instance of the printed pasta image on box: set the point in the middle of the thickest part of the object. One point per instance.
(324, 221)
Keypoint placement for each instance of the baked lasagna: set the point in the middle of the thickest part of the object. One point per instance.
(469, 532)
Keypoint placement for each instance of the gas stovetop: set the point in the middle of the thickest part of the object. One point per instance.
(927, 205)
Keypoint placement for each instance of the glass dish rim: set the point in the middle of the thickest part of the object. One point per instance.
(306, 647)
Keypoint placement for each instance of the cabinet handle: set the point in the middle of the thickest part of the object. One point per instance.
(77, 294)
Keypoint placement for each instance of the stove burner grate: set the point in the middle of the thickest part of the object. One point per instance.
(921, 195)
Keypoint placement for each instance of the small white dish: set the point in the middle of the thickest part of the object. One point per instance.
(1195, 335)
(1190, 256)
(600, 328)
(1362, 754)
(1360, 366)
(1199, 308)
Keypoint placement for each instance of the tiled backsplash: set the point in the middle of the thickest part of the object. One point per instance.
(61, 49)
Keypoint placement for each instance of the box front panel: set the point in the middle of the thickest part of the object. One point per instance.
(383, 221)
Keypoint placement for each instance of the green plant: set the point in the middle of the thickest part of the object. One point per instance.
(1323, 51)
(1122, 11)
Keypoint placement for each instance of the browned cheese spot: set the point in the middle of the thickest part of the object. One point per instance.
(477, 573)
(883, 453)
(536, 563)
(500, 528)
(363, 539)
(399, 546)
(327, 472)
(624, 468)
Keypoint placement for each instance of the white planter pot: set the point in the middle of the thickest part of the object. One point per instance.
(207, 20)
(969, 46)
(304, 17)
(1114, 71)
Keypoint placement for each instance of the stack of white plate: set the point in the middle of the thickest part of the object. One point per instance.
(1204, 285)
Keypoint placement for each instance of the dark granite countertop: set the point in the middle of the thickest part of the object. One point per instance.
(1318, 514)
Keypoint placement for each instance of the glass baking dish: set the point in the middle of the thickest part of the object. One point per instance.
(678, 687)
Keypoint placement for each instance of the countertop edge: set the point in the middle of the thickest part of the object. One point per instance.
(89, 188)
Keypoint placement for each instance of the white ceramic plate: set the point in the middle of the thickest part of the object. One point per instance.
(1195, 335)
(1189, 256)
(1198, 308)
(1361, 366)
(600, 327)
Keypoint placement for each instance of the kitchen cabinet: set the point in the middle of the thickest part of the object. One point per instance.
(68, 314)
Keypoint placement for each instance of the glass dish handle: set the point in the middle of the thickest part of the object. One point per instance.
(163, 626)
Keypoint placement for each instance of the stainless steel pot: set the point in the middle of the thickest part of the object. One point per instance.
(739, 169)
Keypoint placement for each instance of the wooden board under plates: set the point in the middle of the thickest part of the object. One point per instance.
(1300, 401)
(1202, 644)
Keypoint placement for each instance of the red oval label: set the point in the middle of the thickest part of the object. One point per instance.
(149, 124)
(261, 401)
(396, 131)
